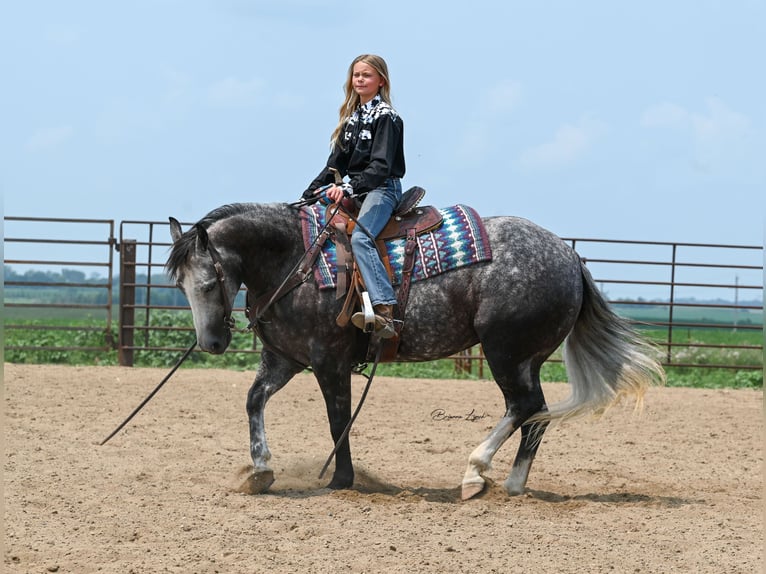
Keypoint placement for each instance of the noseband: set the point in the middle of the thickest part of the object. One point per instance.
(228, 320)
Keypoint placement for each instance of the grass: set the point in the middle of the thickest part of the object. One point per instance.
(701, 315)
(64, 329)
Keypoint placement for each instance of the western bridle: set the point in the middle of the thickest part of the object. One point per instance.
(228, 320)
(299, 274)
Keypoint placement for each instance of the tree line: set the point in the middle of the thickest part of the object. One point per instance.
(74, 286)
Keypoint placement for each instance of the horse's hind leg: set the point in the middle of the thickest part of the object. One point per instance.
(481, 458)
(531, 436)
(523, 398)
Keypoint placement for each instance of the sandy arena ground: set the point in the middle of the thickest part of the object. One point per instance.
(678, 489)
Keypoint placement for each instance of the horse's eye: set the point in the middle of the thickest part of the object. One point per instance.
(208, 287)
(180, 285)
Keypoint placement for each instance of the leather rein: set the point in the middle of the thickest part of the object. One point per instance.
(228, 321)
(299, 274)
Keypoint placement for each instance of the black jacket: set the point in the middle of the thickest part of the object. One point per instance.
(371, 149)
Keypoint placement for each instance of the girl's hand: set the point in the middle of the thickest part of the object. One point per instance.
(335, 193)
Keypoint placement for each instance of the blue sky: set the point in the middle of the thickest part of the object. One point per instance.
(617, 120)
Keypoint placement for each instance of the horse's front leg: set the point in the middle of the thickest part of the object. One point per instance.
(273, 373)
(336, 390)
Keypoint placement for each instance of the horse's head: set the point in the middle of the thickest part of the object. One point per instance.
(200, 272)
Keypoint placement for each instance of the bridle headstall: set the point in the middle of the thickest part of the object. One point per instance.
(228, 305)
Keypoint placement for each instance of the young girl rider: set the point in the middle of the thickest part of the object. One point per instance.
(368, 147)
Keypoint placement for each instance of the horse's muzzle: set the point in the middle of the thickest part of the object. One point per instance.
(216, 344)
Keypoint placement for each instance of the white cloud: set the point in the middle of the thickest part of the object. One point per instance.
(233, 92)
(718, 122)
(569, 143)
(718, 138)
(48, 138)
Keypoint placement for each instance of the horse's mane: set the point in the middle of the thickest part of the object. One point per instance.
(181, 249)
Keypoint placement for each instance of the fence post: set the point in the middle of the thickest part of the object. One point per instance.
(127, 301)
(669, 356)
(464, 361)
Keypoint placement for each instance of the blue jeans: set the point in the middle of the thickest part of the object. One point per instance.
(376, 210)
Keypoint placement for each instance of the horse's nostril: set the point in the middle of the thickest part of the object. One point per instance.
(217, 346)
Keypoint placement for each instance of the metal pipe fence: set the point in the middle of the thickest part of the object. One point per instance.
(73, 244)
(145, 252)
(672, 291)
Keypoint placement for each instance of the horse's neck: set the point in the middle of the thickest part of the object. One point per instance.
(267, 244)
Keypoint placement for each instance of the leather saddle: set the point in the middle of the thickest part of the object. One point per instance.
(408, 220)
(407, 216)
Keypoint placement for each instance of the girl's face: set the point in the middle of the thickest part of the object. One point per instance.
(366, 81)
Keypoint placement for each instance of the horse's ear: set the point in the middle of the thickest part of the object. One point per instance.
(175, 229)
(201, 236)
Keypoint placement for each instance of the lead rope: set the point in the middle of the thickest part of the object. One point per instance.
(154, 392)
(347, 430)
(228, 321)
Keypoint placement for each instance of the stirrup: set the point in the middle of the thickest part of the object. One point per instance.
(369, 322)
(369, 313)
(366, 318)
(382, 327)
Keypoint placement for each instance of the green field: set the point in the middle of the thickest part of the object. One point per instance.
(61, 328)
(697, 315)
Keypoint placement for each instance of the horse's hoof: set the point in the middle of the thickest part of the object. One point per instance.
(471, 489)
(257, 482)
(340, 484)
(516, 482)
(514, 489)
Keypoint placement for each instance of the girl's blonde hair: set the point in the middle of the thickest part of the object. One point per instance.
(352, 98)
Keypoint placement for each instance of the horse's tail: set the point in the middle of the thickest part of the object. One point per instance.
(605, 360)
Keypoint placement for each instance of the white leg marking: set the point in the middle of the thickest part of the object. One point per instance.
(481, 458)
(259, 451)
(262, 476)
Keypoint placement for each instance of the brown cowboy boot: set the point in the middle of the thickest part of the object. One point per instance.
(384, 321)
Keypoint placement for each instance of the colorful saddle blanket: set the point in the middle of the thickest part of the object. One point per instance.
(461, 240)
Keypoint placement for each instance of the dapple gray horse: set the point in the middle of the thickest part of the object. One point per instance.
(535, 294)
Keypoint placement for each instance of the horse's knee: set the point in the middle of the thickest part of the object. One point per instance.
(256, 399)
